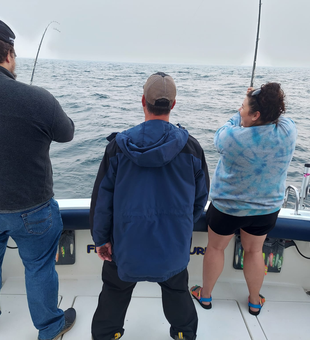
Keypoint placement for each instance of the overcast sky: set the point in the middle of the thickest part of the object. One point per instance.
(212, 32)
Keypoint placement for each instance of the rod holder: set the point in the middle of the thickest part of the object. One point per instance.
(304, 190)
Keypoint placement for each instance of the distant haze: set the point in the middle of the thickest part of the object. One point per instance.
(221, 32)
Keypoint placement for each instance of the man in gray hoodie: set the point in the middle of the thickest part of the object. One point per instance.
(30, 119)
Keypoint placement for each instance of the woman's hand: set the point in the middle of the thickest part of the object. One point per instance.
(249, 89)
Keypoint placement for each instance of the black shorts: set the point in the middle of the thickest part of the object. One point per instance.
(224, 224)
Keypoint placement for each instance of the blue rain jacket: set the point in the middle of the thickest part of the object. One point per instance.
(152, 185)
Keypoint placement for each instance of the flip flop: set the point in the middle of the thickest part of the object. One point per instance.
(196, 293)
(261, 304)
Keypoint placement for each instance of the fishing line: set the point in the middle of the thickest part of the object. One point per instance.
(197, 9)
(35, 62)
(190, 15)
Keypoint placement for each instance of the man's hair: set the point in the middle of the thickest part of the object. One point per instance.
(161, 107)
(5, 48)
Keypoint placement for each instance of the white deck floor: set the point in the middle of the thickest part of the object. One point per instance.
(285, 315)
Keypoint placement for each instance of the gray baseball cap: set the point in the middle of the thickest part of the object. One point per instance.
(159, 86)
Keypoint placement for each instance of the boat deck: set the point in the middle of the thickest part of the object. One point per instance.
(285, 314)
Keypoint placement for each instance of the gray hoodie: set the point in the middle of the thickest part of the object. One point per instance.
(30, 119)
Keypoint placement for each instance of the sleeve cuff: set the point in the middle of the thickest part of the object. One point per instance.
(101, 245)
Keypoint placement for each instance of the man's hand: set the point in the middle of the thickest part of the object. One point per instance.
(105, 252)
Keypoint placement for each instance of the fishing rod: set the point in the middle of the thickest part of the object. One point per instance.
(256, 47)
(35, 62)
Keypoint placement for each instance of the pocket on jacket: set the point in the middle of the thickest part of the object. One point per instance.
(38, 221)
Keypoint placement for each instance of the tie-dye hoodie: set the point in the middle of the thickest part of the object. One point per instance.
(250, 176)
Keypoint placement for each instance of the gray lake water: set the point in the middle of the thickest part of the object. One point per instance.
(102, 97)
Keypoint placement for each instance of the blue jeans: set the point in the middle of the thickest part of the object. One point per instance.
(36, 233)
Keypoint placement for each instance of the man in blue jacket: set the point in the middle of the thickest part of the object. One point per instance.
(152, 186)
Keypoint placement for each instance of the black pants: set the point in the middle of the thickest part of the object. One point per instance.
(115, 297)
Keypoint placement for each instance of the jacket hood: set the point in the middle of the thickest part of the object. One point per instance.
(154, 143)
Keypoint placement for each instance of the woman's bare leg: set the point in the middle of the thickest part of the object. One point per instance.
(253, 264)
(213, 261)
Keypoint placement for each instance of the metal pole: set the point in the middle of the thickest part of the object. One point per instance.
(256, 47)
(304, 185)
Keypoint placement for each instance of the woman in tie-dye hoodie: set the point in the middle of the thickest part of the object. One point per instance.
(247, 191)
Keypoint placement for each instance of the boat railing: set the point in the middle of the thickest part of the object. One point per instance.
(297, 197)
(304, 191)
(75, 216)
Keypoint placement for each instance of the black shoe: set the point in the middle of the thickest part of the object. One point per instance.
(116, 336)
(70, 316)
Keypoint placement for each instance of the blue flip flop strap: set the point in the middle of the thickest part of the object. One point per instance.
(254, 306)
(206, 299)
(201, 299)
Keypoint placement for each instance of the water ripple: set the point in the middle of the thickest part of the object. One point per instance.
(103, 98)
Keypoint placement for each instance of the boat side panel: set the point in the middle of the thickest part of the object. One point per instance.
(286, 228)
